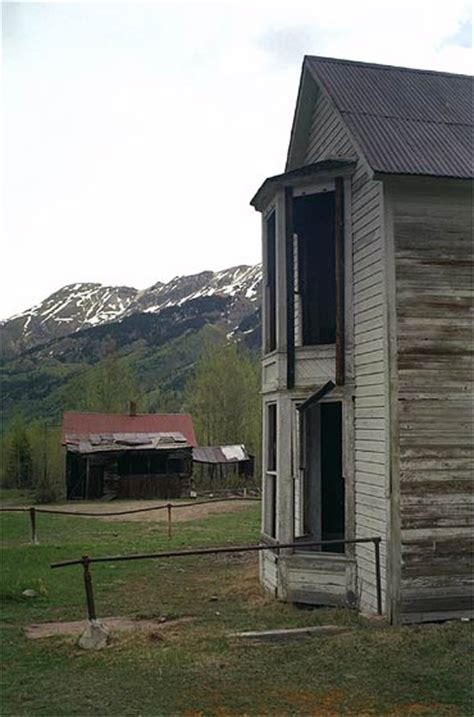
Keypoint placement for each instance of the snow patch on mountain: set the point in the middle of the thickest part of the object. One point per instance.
(86, 305)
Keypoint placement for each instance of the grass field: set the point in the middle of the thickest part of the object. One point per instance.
(196, 669)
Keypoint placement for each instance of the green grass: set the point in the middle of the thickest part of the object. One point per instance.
(197, 670)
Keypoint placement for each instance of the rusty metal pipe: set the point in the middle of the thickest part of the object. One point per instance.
(91, 614)
(210, 551)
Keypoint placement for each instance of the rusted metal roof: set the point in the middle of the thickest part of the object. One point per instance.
(145, 426)
(110, 442)
(220, 454)
(405, 121)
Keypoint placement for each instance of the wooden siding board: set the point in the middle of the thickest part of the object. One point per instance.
(434, 299)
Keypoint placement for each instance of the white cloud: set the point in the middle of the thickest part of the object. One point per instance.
(135, 135)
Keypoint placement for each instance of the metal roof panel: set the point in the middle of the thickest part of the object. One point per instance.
(406, 121)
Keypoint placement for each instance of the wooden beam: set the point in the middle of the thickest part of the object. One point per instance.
(290, 289)
(315, 397)
(339, 240)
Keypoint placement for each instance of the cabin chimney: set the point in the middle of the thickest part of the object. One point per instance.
(132, 410)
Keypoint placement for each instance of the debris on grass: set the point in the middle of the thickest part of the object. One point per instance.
(29, 593)
(292, 633)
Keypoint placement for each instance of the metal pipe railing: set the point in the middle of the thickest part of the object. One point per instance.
(86, 560)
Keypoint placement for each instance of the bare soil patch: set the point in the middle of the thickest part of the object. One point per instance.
(197, 511)
(115, 624)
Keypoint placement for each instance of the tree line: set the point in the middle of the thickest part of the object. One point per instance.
(222, 394)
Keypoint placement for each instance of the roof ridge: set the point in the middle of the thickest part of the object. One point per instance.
(375, 65)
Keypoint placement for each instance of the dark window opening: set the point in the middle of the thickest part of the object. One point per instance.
(270, 288)
(314, 224)
(270, 522)
(323, 488)
(272, 438)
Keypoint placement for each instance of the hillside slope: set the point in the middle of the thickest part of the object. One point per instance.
(160, 333)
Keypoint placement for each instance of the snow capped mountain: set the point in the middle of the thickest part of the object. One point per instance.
(240, 281)
(86, 305)
(73, 307)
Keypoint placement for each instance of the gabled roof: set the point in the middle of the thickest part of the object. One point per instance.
(77, 425)
(404, 121)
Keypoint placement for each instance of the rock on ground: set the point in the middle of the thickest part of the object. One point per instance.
(96, 636)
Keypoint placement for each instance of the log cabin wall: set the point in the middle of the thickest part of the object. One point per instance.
(432, 237)
(366, 346)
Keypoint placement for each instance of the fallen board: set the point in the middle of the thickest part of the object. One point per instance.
(292, 633)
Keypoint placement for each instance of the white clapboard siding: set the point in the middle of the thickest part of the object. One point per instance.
(433, 264)
(269, 571)
(370, 356)
(329, 138)
(319, 578)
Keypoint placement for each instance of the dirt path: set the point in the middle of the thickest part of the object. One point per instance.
(191, 512)
(76, 627)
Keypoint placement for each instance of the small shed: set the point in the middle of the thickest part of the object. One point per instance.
(127, 455)
(217, 465)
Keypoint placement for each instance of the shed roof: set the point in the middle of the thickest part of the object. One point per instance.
(220, 454)
(125, 442)
(405, 121)
(77, 424)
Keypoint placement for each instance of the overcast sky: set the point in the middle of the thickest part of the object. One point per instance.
(134, 135)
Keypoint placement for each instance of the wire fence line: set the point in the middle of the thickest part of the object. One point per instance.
(33, 511)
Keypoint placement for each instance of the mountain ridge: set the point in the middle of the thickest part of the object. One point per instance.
(82, 305)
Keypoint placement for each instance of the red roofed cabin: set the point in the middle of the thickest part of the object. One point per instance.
(127, 456)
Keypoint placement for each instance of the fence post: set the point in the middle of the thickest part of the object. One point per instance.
(89, 589)
(34, 537)
(378, 581)
(169, 506)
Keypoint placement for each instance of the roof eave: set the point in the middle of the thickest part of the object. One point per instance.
(327, 168)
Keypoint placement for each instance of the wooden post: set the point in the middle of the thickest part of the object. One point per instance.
(169, 507)
(290, 289)
(88, 587)
(87, 479)
(34, 537)
(378, 581)
(339, 241)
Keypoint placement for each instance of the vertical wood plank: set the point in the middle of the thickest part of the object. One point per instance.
(339, 239)
(290, 289)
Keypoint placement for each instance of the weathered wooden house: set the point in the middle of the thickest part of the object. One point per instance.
(367, 354)
(128, 456)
